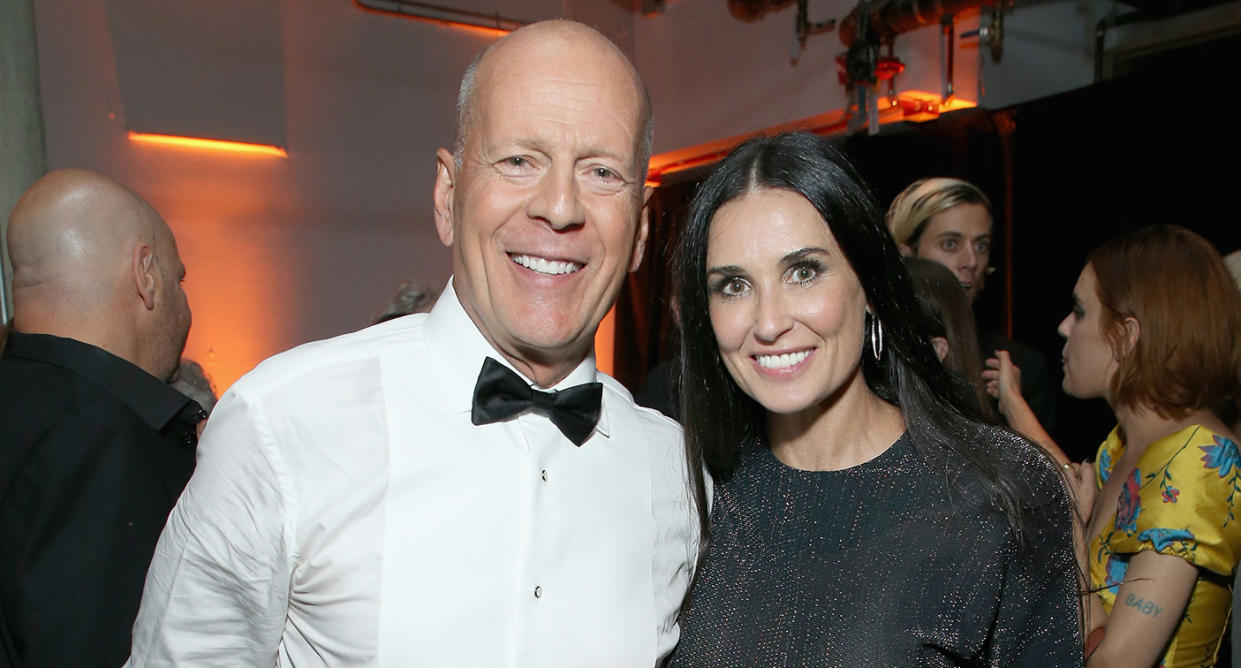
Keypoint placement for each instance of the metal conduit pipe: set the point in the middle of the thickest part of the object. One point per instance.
(889, 18)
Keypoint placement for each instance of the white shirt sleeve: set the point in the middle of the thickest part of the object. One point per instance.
(218, 587)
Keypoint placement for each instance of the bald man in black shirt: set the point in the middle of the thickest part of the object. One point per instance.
(95, 447)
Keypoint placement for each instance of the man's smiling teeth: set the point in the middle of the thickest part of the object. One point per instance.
(542, 266)
(781, 361)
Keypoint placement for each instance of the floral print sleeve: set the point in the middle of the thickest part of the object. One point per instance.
(1103, 458)
(1181, 500)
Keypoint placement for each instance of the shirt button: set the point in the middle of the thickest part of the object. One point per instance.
(538, 592)
(187, 439)
(544, 475)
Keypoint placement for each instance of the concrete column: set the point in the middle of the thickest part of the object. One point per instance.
(22, 156)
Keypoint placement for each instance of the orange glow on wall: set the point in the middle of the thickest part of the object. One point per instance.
(235, 327)
(235, 147)
(605, 343)
(239, 276)
(913, 105)
(489, 32)
(241, 280)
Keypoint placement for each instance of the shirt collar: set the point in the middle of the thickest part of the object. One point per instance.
(458, 348)
(153, 400)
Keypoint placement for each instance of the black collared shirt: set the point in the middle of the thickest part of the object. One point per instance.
(94, 452)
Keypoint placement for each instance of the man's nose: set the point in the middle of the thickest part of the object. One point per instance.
(969, 258)
(557, 199)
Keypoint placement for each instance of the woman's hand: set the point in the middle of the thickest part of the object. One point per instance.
(1003, 380)
(1084, 488)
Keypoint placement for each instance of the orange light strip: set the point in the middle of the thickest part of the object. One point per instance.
(208, 144)
(915, 106)
(446, 22)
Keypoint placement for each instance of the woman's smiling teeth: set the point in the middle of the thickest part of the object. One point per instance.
(782, 361)
(542, 266)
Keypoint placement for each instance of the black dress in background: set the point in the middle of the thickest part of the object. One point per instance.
(882, 565)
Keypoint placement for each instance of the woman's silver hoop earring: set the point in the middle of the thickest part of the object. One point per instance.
(876, 337)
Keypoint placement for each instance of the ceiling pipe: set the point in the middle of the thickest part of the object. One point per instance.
(889, 18)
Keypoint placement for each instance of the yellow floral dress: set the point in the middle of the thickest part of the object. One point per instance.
(1179, 501)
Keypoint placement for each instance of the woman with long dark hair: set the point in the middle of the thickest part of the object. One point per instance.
(861, 514)
(953, 335)
(1156, 331)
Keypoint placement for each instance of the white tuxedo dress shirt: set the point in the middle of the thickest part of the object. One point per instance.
(344, 511)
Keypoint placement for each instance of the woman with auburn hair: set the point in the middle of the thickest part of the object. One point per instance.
(1156, 331)
(862, 514)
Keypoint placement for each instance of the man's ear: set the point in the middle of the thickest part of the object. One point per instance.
(643, 232)
(144, 272)
(906, 250)
(445, 179)
(644, 229)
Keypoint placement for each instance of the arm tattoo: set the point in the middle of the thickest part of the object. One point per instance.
(1144, 606)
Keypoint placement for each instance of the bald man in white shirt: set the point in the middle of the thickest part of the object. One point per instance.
(376, 500)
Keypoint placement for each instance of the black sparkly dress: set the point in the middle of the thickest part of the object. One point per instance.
(883, 564)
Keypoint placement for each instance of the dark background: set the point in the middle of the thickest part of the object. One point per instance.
(1064, 174)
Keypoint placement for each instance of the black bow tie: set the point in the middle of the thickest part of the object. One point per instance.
(500, 394)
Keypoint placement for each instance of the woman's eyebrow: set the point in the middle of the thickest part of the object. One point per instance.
(799, 255)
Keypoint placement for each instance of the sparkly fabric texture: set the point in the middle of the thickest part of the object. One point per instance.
(883, 564)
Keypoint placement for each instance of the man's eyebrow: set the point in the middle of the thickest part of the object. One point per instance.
(540, 145)
(626, 163)
(544, 145)
(602, 151)
(524, 143)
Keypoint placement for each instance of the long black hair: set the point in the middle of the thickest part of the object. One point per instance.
(948, 313)
(719, 417)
